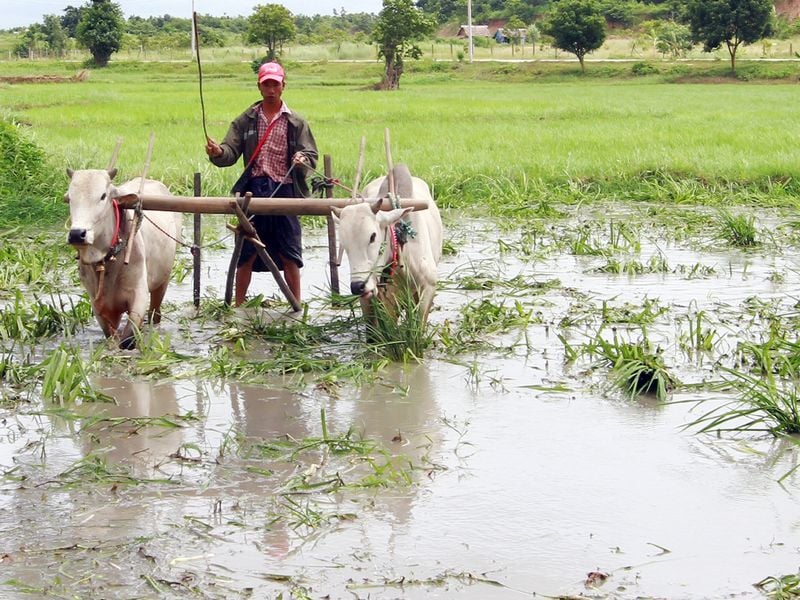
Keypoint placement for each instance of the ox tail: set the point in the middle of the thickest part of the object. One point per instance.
(403, 185)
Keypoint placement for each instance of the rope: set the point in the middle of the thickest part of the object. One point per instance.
(322, 181)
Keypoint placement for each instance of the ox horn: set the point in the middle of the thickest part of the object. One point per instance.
(112, 173)
(376, 206)
(70, 172)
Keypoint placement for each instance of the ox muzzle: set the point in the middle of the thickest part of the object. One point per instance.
(79, 237)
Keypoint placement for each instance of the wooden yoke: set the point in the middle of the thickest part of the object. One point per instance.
(245, 230)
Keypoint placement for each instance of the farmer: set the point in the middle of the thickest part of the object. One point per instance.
(279, 149)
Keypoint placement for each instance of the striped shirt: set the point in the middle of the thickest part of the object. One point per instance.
(273, 159)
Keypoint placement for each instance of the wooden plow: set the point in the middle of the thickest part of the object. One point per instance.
(245, 206)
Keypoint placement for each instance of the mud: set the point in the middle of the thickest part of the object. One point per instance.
(501, 473)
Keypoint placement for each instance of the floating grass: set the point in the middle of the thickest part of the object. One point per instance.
(782, 587)
(482, 317)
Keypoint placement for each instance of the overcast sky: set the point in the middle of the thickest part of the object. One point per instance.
(26, 12)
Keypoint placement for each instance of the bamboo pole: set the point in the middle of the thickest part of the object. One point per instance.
(219, 205)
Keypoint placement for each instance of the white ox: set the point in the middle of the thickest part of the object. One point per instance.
(99, 231)
(379, 265)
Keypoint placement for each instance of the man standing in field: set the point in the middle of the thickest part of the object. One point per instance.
(279, 149)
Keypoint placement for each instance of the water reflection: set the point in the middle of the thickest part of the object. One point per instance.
(129, 432)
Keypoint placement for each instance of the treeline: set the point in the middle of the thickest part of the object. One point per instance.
(57, 35)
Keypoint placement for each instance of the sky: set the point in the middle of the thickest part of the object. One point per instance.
(26, 12)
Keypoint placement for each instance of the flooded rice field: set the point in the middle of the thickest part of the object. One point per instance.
(506, 463)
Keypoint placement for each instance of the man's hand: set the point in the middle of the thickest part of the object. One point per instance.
(213, 149)
(300, 159)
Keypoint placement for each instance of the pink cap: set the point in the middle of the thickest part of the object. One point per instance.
(270, 70)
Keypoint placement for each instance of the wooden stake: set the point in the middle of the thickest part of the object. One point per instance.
(389, 164)
(333, 266)
(359, 166)
(137, 219)
(197, 240)
(114, 155)
(237, 251)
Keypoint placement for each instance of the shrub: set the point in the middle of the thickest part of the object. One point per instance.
(643, 68)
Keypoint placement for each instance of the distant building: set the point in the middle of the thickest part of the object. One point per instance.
(477, 31)
(503, 36)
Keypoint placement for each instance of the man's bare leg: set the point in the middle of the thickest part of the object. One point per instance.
(291, 272)
(244, 273)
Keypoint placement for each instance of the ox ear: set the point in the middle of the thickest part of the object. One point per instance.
(114, 193)
(376, 206)
(386, 218)
(70, 172)
(112, 173)
(336, 213)
(66, 197)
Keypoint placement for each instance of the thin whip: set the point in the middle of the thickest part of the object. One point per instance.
(199, 72)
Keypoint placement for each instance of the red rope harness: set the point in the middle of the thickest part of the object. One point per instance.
(389, 269)
(117, 219)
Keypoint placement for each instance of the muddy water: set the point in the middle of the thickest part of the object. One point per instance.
(528, 474)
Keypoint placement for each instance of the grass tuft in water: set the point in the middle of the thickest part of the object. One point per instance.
(634, 366)
(765, 403)
(65, 378)
(397, 329)
(738, 230)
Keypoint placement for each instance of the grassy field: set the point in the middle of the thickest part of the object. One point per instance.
(479, 133)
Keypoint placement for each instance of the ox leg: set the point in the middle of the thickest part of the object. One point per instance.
(136, 313)
(156, 297)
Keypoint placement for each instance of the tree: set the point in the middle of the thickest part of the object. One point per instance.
(56, 36)
(100, 30)
(515, 30)
(673, 38)
(576, 26)
(70, 19)
(732, 22)
(271, 25)
(400, 24)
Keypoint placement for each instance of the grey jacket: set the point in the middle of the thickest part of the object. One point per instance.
(242, 139)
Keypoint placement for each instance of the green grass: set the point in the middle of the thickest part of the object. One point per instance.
(463, 130)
